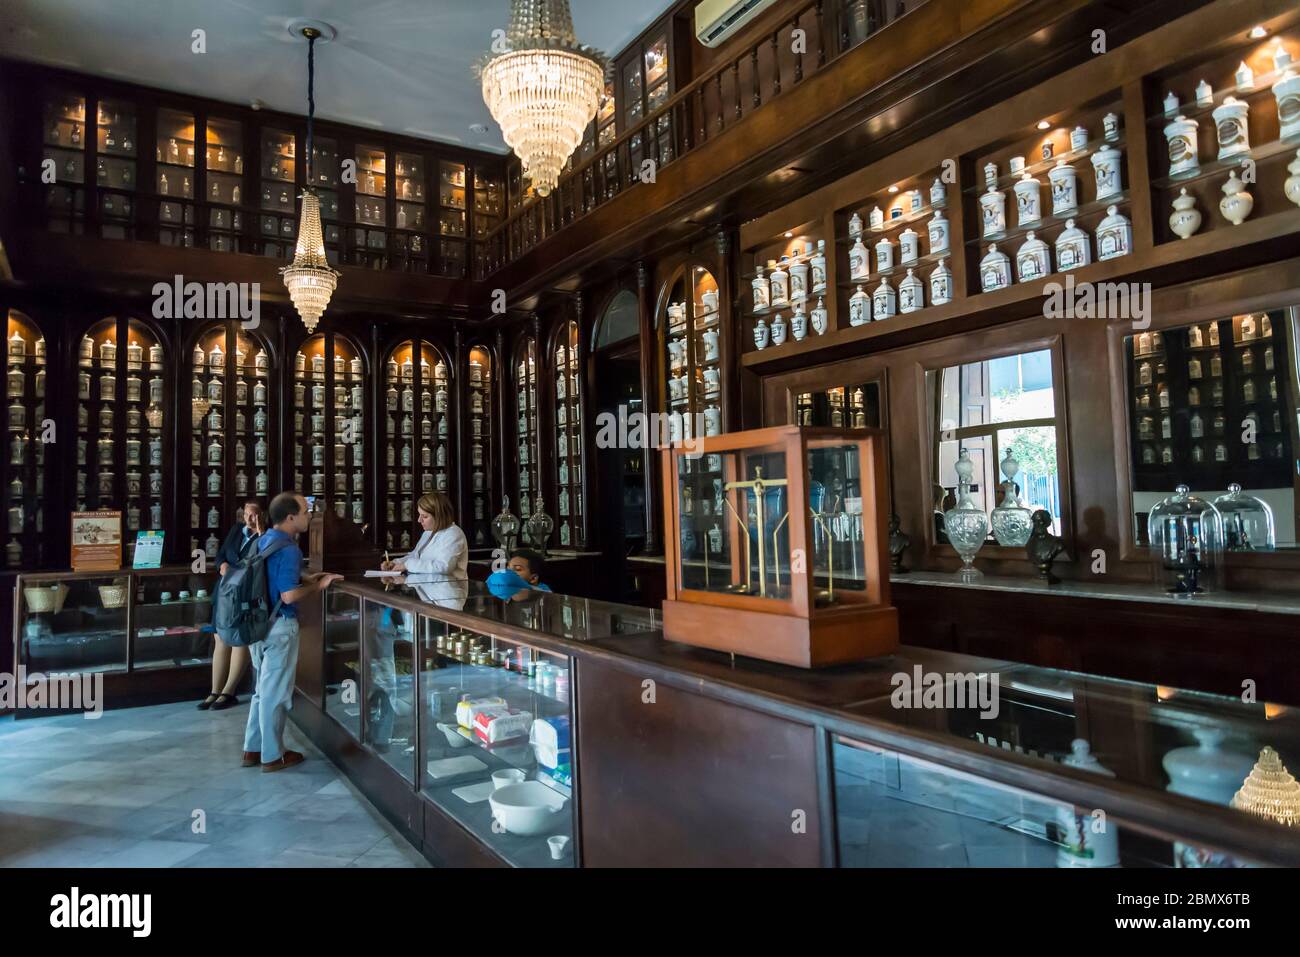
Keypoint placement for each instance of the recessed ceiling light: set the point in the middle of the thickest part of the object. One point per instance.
(893, 189)
(1044, 125)
(789, 235)
(478, 128)
(1258, 32)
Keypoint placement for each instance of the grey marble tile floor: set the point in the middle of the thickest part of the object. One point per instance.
(162, 787)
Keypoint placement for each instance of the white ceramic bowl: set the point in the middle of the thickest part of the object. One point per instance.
(527, 808)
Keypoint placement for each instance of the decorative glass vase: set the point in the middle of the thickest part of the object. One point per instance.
(966, 524)
(505, 527)
(1011, 520)
(540, 526)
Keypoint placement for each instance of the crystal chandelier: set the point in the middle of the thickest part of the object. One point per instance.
(310, 278)
(544, 90)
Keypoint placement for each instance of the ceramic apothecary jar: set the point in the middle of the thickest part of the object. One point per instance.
(938, 229)
(1073, 248)
(1185, 220)
(799, 323)
(859, 260)
(993, 206)
(1182, 140)
(819, 318)
(1033, 259)
(941, 284)
(909, 246)
(762, 335)
(1029, 207)
(1287, 93)
(1292, 184)
(780, 330)
(884, 301)
(1236, 203)
(884, 255)
(1065, 188)
(1230, 126)
(995, 270)
(1114, 235)
(1105, 167)
(911, 293)
(859, 308)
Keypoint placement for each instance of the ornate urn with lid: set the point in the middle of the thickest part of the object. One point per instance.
(965, 524)
(505, 527)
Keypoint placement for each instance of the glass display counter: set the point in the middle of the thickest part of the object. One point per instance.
(127, 620)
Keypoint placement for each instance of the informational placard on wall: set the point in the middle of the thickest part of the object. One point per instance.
(148, 549)
(96, 541)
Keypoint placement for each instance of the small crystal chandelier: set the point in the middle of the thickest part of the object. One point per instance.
(310, 278)
(544, 90)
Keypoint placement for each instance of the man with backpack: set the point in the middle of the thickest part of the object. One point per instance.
(275, 657)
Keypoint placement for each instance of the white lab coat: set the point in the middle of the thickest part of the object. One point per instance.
(444, 553)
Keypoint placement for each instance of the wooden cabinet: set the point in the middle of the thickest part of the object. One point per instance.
(332, 424)
(417, 456)
(23, 476)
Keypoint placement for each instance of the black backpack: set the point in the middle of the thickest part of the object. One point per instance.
(244, 612)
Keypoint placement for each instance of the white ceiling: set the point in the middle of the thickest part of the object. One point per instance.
(398, 65)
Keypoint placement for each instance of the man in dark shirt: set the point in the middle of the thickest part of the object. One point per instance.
(275, 660)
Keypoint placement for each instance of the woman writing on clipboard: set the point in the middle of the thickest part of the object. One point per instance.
(442, 553)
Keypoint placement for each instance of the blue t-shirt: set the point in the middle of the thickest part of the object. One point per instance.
(283, 569)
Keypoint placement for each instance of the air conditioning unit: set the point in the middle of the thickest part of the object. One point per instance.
(716, 20)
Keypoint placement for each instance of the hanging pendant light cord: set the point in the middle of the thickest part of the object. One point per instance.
(311, 102)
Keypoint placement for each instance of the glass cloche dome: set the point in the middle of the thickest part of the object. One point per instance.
(1186, 542)
(1247, 522)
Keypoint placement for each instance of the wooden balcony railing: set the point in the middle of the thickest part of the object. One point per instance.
(699, 112)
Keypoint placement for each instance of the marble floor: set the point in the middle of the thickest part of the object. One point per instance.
(126, 790)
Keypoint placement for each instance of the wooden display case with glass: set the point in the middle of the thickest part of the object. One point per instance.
(277, 222)
(740, 513)
(417, 452)
(526, 431)
(478, 523)
(369, 237)
(692, 326)
(223, 169)
(64, 143)
(989, 408)
(232, 447)
(489, 208)
(410, 240)
(1054, 184)
(115, 168)
(451, 218)
(325, 178)
(1233, 124)
(330, 417)
(570, 468)
(1212, 404)
(123, 450)
(174, 181)
(841, 407)
(24, 471)
(78, 623)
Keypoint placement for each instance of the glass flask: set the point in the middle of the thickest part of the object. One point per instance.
(965, 523)
(505, 527)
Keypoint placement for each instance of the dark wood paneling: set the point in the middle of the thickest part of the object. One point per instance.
(688, 781)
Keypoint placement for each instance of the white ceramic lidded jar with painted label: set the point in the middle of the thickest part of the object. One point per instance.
(995, 270)
(993, 210)
(1065, 188)
(819, 318)
(911, 293)
(780, 330)
(760, 292)
(1237, 202)
(859, 260)
(859, 308)
(1033, 259)
(884, 301)
(1029, 208)
(884, 254)
(938, 194)
(1073, 248)
(1181, 135)
(799, 277)
(1230, 126)
(762, 336)
(1186, 218)
(855, 226)
(1105, 166)
(938, 229)
(799, 323)
(909, 247)
(1085, 840)
(941, 284)
(1287, 93)
(1114, 235)
(780, 285)
(818, 264)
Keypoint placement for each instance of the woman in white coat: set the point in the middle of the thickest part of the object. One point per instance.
(442, 553)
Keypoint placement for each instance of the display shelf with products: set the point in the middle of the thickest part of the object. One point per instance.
(841, 407)
(410, 239)
(570, 466)
(23, 475)
(277, 226)
(791, 275)
(115, 168)
(231, 440)
(325, 180)
(526, 429)
(479, 392)
(64, 143)
(417, 443)
(370, 215)
(330, 424)
(174, 178)
(122, 450)
(693, 362)
(489, 208)
(223, 170)
(452, 230)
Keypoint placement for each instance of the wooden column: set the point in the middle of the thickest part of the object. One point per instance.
(649, 403)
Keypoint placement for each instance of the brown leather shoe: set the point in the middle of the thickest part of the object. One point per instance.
(289, 760)
(251, 758)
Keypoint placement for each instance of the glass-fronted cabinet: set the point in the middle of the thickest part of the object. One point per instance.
(417, 452)
(64, 142)
(277, 221)
(325, 178)
(122, 447)
(478, 523)
(174, 177)
(342, 659)
(232, 448)
(568, 437)
(23, 472)
(841, 407)
(329, 424)
(410, 242)
(526, 427)
(451, 218)
(115, 170)
(224, 171)
(369, 239)
(693, 360)
(114, 621)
